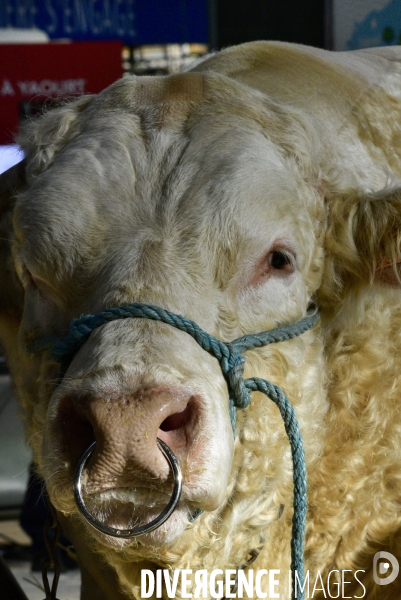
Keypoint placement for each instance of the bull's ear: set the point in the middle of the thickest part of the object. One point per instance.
(11, 291)
(362, 242)
(44, 136)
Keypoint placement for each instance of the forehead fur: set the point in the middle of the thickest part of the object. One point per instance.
(161, 102)
(153, 166)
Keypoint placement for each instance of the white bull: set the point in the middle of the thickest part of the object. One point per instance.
(235, 194)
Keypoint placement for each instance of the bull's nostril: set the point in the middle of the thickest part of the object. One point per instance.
(177, 420)
(78, 438)
(178, 430)
(86, 435)
(76, 430)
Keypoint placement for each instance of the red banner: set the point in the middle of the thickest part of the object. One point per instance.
(32, 73)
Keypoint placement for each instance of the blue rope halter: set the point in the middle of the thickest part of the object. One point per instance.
(231, 362)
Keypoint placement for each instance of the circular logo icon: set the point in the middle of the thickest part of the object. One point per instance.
(387, 560)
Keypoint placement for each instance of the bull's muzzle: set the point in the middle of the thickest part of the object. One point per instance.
(231, 362)
(133, 532)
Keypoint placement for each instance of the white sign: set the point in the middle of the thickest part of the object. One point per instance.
(45, 87)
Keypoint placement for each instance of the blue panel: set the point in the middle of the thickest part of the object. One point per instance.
(133, 21)
(378, 28)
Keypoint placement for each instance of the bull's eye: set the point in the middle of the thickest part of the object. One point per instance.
(29, 281)
(25, 275)
(278, 260)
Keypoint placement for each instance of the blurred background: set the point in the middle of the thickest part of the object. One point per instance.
(53, 49)
(59, 49)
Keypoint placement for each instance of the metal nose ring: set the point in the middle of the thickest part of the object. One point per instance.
(129, 533)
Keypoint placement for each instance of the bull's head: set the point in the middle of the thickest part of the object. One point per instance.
(200, 195)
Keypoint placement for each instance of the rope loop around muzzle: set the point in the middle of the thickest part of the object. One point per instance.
(232, 363)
